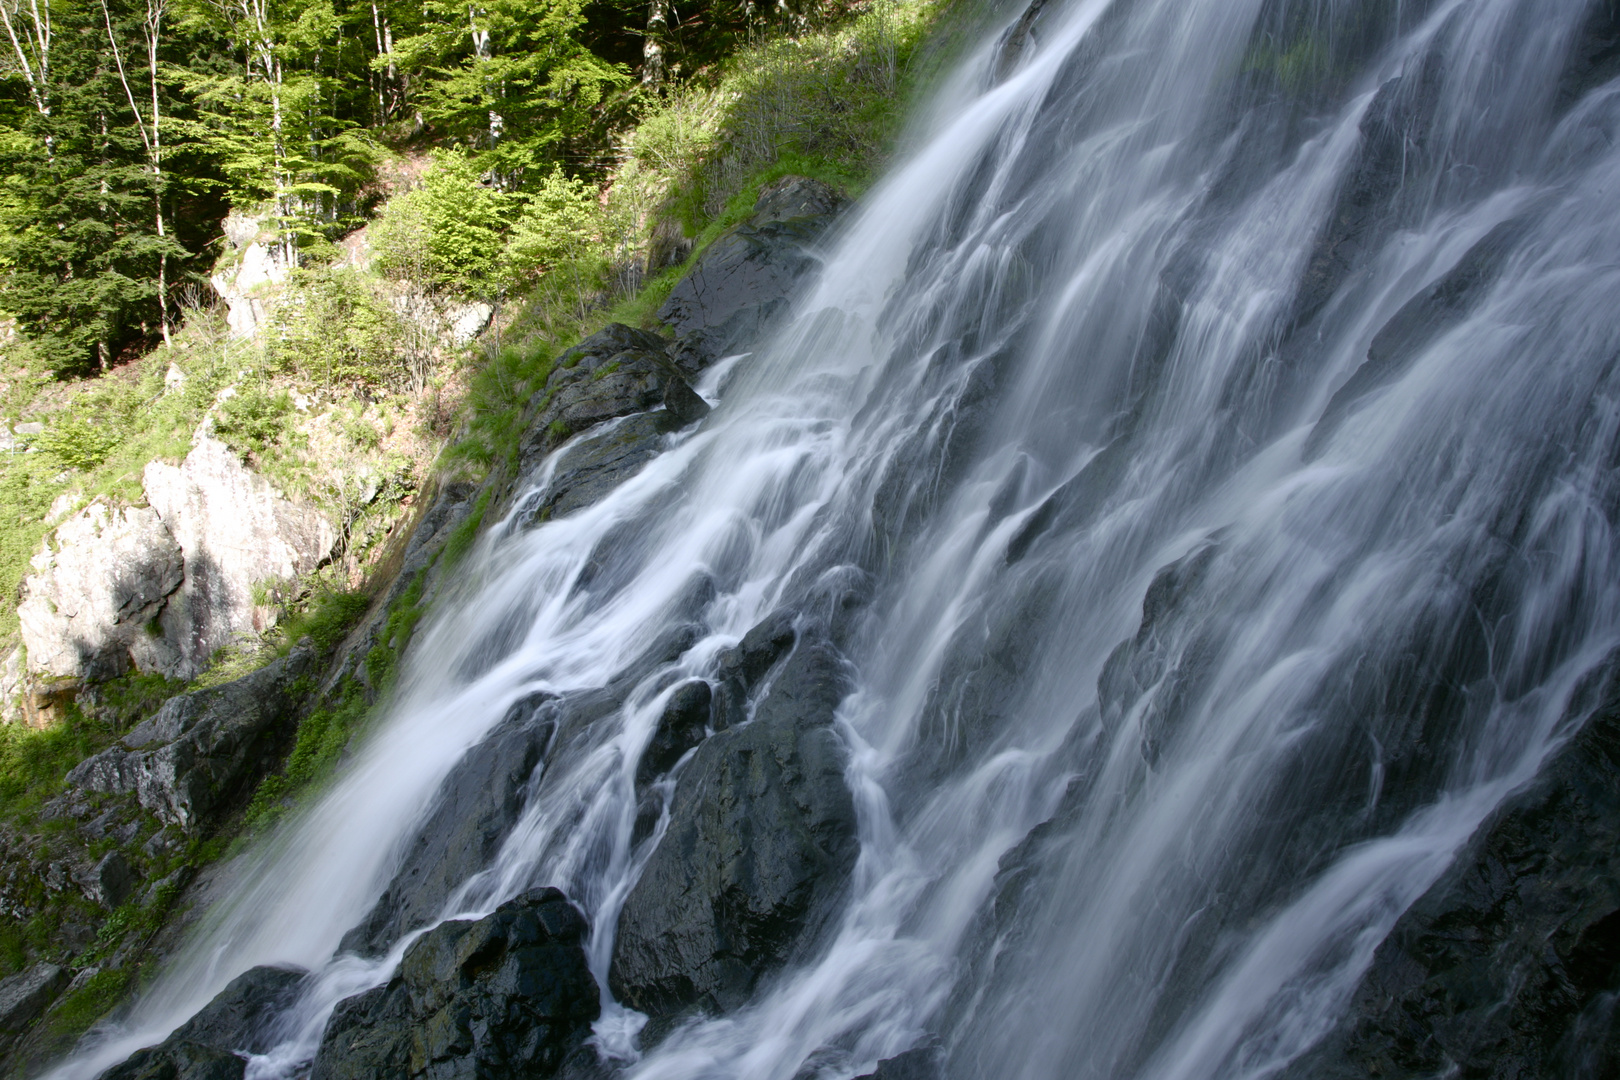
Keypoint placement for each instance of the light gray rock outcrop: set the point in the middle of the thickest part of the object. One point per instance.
(235, 531)
(88, 603)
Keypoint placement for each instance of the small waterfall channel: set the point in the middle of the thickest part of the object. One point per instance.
(1218, 414)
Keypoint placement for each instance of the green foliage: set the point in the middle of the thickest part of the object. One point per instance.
(33, 763)
(462, 537)
(321, 739)
(75, 443)
(446, 233)
(327, 620)
(334, 327)
(559, 223)
(512, 78)
(253, 419)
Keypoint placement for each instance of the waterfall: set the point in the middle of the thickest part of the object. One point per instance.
(1219, 404)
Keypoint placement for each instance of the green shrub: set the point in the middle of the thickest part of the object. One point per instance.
(446, 233)
(560, 221)
(334, 327)
(328, 618)
(74, 443)
(253, 419)
(33, 763)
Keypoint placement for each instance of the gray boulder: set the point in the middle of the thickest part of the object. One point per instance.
(88, 603)
(188, 763)
(242, 1016)
(590, 469)
(747, 276)
(24, 996)
(615, 372)
(112, 880)
(178, 1060)
(761, 839)
(682, 725)
(235, 531)
(507, 996)
(922, 1063)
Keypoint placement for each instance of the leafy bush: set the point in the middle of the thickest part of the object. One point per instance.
(253, 419)
(334, 327)
(328, 618)
(446, 233)
(74, 443)
(560, 222)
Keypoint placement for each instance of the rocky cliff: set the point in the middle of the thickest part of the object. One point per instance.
(159, 588)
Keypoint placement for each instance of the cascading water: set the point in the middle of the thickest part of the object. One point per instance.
(1222, 407)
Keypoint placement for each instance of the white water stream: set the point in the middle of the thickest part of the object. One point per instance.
(1100, 282)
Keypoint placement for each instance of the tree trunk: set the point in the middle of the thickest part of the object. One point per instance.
(652, 46)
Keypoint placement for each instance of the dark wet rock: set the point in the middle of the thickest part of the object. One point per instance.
(923, 1063)
(178, 1060)
(740, 667)
(509, 995)
(590, 469)
(239, 1016)
(1154, 659)
(476, 807)
(683, 404)
(1017, 39)
(1509, 966)
(24, 996)
(192, 761)
(112, 880)
(616, 372)
(795, 197)
(207, 1047)
(761, 839)
(746, 277)
(1420, 320)
(1595, 55)
(367, 1036)
(682, 725)
(1395, 136)
(610, 341)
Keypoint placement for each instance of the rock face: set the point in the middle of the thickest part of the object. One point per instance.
(507, 996)
(590, 469)
(920, 1064)
(89, 603)
(238, 1017)
(615, 372)
(165, 586)
(207, 1046)
(186, 762)
(477, 806)
(761, 836)
(744, 279)
(234, 531)
(244, 285)
(24, 996)
(1509, 966)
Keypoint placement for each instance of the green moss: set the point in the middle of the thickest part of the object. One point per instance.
(89, 1002)
(461, 539)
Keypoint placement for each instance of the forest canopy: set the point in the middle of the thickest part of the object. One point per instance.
(130, 128)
